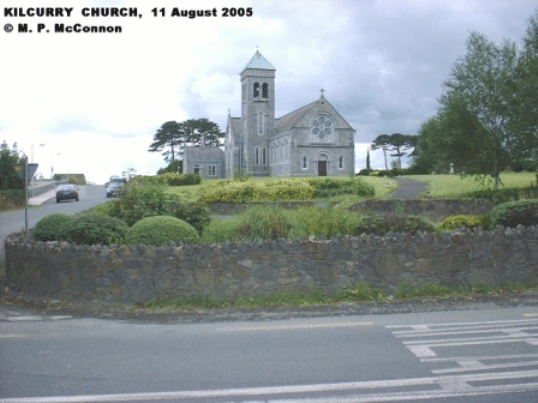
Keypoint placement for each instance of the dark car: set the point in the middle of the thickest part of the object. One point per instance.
(113, 189)
(66, 192)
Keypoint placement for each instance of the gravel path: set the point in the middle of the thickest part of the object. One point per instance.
(409, 189)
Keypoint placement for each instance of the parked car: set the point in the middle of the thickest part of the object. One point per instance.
(113, 189)
(66, 192)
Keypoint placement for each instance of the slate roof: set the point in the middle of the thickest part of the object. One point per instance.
(204, 154)
(259, 62)
(290, 120)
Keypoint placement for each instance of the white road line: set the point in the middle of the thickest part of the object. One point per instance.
(422, 327)
(424, 350)
(481, 358)
(488, 329)
(454, 385)
(522, 337)
(467, 366)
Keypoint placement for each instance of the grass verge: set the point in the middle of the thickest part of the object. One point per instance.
(454, 186)
(361, 292)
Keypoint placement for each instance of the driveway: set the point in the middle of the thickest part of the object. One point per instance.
(409, 189)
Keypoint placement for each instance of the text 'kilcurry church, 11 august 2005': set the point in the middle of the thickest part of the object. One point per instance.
(314, 140)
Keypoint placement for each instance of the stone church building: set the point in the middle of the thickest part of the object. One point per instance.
(314, 140)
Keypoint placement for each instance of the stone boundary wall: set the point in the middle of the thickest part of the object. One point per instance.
(130, 274)
(435, 209)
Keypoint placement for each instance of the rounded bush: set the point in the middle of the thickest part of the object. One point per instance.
(95, 229)
(468, 221)
(160, 229)
(50, 228)
(511, 214)
(381, 224)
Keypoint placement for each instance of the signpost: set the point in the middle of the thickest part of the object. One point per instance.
(26, 173)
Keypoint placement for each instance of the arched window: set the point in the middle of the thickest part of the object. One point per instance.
(341, 163)
(257, 156)
(265, 90)
(304, 163)
(263, 156)
(256, 90)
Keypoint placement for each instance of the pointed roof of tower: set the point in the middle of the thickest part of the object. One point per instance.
(259, 62)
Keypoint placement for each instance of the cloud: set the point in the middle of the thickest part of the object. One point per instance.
(382, 64)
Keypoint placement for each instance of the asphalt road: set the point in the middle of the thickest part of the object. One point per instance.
(13, 221)
(467, 356)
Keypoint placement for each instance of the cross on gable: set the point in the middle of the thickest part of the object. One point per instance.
(322, 91)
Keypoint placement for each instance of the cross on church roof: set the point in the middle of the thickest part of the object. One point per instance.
(322, 91)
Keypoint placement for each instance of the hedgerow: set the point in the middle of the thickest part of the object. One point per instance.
(244, 191)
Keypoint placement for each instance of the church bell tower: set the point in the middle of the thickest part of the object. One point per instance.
(257, 114)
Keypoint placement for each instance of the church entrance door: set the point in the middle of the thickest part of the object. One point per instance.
(322, 168)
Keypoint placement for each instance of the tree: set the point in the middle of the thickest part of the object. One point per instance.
(175, 167)
(175, 136)
(170, 134)
(479, 98)
(428, 154)
(368, 167)
(525, 104)
(397, 142)
(202, 130)
(8, 177)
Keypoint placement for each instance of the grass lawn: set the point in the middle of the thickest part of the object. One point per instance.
(383, 187)
(452, 186)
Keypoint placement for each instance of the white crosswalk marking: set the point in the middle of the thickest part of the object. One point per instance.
(433, 344)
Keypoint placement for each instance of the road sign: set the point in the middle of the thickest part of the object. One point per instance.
(30, 171)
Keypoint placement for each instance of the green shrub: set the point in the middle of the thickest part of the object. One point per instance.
(174, 179)
(326, 222)
(504, 195)
(468, 221)
(168, 178)
(50, 228)
(511, 214)
(222, 230)
(138, 202)
(110, 208)
(328, 187)
(95, 229)
(381, 224)
(195, 213)
(238, 191)
(11, 199)
(160, 229)
(264, 223)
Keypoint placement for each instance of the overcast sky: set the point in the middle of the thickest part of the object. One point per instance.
(95, 100)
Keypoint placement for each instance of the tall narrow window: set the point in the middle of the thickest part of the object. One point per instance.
(256, 90)
(341, 162)
(257, 156)
(304, 163)
(260, 123)
(265, 90)
(263, 157)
